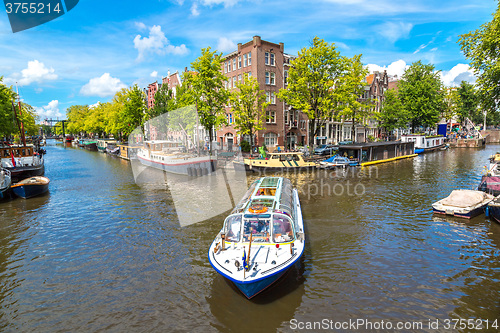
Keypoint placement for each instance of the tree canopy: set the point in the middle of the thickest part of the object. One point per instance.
(313, 82)
(481, 47)
(421, 94)
(206, 86)
(249, 107)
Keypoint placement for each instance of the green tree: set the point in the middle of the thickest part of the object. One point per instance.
(481, 48)
(420, 91)
(392, 114)
(352, 86)
(134, 107)
(207, 89)
(451, 103)
(313, 82)
(95, 120)
(7, 125)
(29, 118)
(468, 101)
(164, 102)
(76, 115)
(249, 107)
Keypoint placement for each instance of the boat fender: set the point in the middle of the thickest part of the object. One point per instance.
(487, 211)
(216, 248)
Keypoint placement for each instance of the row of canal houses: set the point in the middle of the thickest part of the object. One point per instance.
(285, 126)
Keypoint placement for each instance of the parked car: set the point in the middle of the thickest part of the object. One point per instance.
(324, 150)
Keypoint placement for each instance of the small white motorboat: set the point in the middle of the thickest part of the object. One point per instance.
(463, 203)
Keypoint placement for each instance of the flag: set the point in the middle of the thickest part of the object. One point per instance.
(245, 262)
(12, 158)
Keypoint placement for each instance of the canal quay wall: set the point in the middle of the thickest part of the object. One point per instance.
(492, 136)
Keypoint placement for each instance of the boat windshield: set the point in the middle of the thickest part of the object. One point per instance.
(258, 228)
(232, 228)
(282, 228)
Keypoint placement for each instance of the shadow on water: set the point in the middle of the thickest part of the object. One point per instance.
(263, 313)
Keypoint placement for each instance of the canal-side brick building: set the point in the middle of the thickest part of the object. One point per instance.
(268, 63)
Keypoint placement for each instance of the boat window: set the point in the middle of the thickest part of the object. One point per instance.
(243, 201)
(264, 202)
(232, 228)
(282, 229)
(258, 228)
(275, 157)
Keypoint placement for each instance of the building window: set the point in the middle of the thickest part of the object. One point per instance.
(271, 78)
(271, 117)
(245, 60)
(249, 58)
(271, 59)
(239, 62)
(270, 139)
(266, 57)
(229, 118)
(285, 77)
(234, 64)
(234, 81)
(270, 97)
(249, 74)
(229, 66)
(239, 78)
(225, 67)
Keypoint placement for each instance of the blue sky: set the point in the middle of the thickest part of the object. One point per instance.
(88, 54)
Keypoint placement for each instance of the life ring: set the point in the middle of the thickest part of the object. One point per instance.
(258, 209)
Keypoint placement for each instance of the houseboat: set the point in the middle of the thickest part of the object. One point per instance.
(103, 143)
(276, 161)
(262, 238)
(22, 161)
(170, 156)
(425, 143)
(376, 152)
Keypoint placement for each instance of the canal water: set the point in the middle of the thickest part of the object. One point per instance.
(99, 253)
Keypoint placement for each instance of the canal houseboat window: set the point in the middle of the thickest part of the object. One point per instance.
(232, 228)
(258, 228)
(282, 229)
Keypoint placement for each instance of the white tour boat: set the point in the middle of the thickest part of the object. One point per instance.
(262, 238)
(425, 143)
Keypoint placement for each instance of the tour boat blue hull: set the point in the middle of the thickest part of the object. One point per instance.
(254, 288)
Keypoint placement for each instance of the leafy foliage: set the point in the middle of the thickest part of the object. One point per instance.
(313, 83)
(481, 48)
(420, 91)
(392, 114)
(249, 107)
(206, 86)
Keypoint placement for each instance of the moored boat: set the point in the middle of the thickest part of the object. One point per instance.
(169, 156)
(490, 181)
(30, 187)
(463, 203)
(103, 143)
(276, 161)
(337, 161)
(262, 238)
(22, 161)
(5, 182)
(493, 209)
(425, 143)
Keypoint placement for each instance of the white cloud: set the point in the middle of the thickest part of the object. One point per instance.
(394, 31)
(91, 106)
(36, 72)
(102, 86)
(154, 74)
(227, 3)
(50, 110)
(141, 26)
(396, 68)
(226, 45)
(156, 43)
(194, 10)
(459, 73)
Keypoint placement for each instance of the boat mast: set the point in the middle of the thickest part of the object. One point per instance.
(20, 116)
